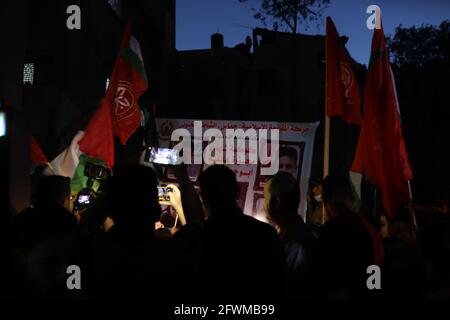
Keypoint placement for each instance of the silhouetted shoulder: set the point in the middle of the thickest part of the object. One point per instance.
(258, 226)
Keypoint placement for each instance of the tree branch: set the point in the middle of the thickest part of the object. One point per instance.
(282, 14)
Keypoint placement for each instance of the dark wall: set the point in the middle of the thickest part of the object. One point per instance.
(13, 22)
(71, 67)
(281, 79)
(424, 106)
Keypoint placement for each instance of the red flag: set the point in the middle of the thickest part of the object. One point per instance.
(128, 82)
(98, 139)
(381, 153)
(37, 155)
(343, 97)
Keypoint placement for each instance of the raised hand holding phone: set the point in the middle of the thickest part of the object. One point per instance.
(170, 195)
(162, 156)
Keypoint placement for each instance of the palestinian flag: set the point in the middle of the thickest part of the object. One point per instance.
(127, 83)
(119, 114)
(36, 153)
(96, 141)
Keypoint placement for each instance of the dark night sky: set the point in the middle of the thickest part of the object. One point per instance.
(198, 19)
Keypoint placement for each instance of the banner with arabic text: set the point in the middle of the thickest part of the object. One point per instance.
(296, 141)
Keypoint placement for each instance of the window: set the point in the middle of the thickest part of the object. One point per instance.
(28, 73)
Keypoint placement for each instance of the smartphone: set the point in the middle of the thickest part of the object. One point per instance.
(2, 124)
(163, 193)
(162, 156)
(84, 199)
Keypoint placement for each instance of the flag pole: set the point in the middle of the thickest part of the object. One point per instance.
(326, 150)
(51, 168)
(326, 154)
(326, 142)
(412, 212)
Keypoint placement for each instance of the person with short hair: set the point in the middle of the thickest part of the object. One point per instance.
(53, 191)
(48, 215)
(347, 244)
(128, 260)
(242, 257)
(46, 237)
(282, 199)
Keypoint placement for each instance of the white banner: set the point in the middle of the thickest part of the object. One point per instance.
(296, 142)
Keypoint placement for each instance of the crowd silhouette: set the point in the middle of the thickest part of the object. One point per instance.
(215, 252)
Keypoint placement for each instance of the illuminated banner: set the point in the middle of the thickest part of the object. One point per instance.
(294, 141)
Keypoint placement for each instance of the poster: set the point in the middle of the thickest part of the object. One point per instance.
(296, 142)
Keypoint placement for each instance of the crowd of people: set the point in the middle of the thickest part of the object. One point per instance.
(215, 252)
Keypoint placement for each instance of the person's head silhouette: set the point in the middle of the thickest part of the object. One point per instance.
(337, 192)
(53, 191)
(282, 198)
(132, 195)
(219, 189)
